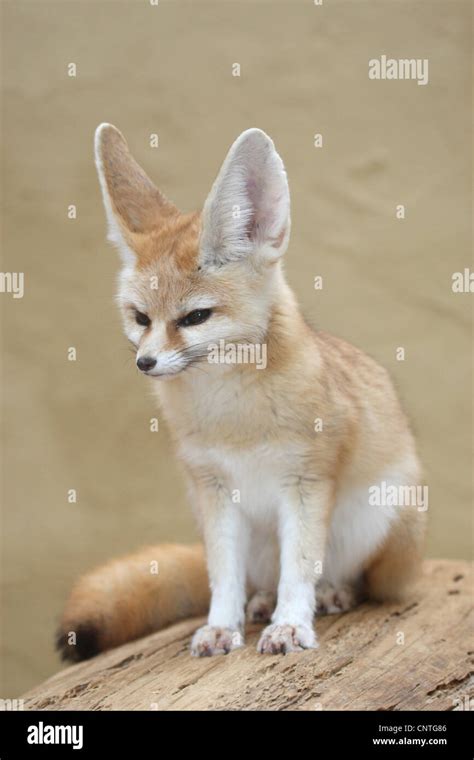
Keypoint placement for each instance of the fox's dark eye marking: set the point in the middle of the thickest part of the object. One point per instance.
(195, 317)
(142, 319)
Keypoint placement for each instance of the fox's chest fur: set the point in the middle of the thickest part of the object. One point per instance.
(255, 477)
(234, 431)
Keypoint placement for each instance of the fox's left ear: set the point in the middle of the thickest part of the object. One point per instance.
(133, 204)
(248, 209)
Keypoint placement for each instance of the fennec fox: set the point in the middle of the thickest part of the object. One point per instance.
(283, 504)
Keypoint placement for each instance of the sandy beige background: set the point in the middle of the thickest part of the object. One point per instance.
(387, 282)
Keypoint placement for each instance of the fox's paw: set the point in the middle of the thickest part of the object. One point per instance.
(261, 606)
(281, 639)
(210, 640)
(331, 600)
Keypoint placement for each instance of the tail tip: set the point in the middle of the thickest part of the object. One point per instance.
(78, 644)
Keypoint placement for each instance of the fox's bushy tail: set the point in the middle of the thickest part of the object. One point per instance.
(131, 597)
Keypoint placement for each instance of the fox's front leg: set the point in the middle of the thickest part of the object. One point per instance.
(226, 539)
(303, 517)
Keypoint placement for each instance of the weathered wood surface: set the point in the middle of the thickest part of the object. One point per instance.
(415, 655)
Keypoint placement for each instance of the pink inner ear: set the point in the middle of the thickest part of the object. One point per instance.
(251, 227)
(260, 222)
(264, 203)
(252, 181)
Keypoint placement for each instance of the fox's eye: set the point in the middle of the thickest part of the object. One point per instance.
(142, 319)
(195, 317)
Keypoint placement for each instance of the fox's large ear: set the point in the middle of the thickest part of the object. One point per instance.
(133, 205)
(248, 209)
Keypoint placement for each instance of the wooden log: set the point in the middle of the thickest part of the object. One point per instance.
(418, 655)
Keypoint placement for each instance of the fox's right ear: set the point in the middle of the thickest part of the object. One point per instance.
(247, 212)
(133, 204)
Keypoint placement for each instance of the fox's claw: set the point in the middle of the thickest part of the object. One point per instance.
(281, 639)
(210, 640)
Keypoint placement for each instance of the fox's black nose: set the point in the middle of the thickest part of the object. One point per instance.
(146, 363)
